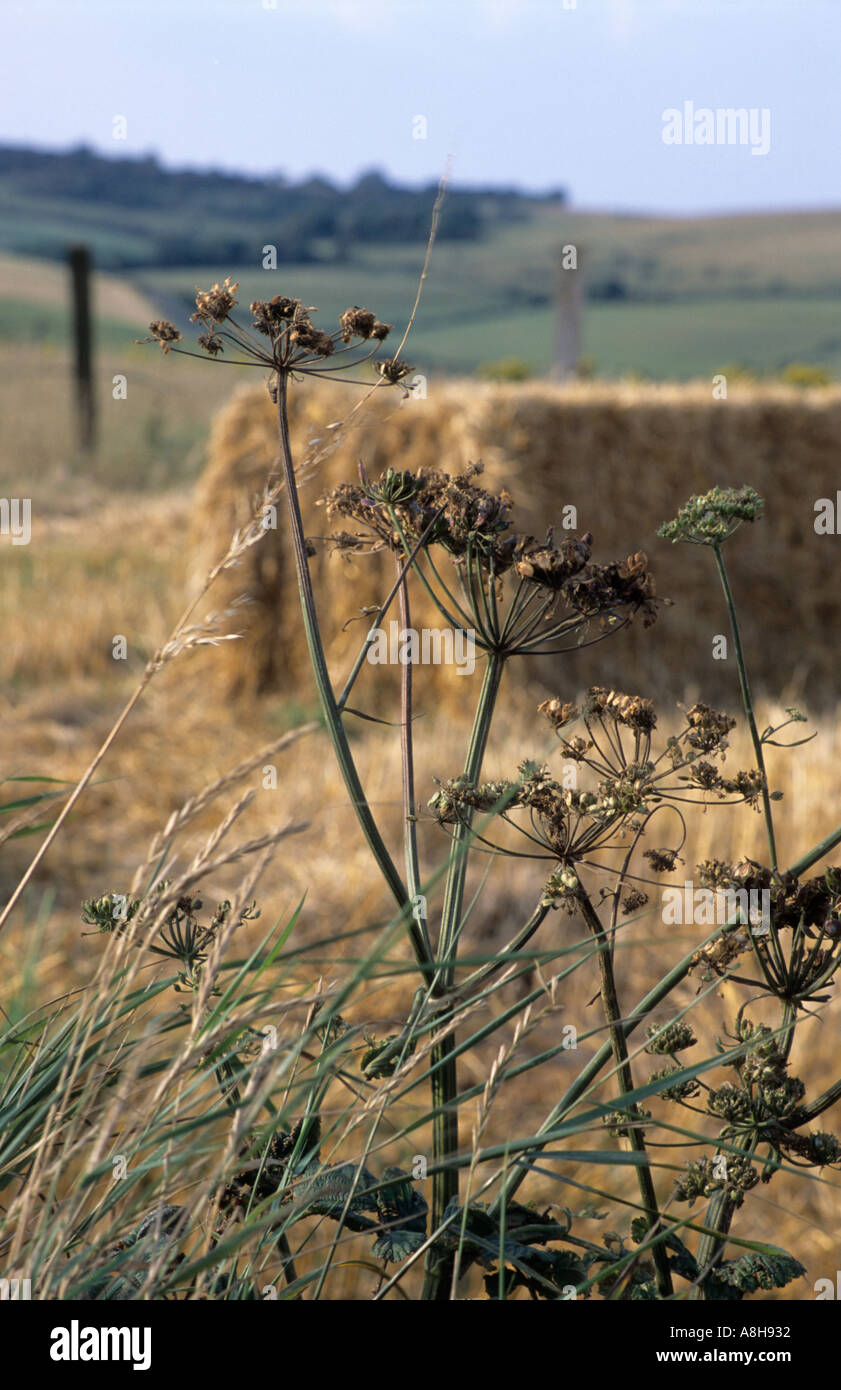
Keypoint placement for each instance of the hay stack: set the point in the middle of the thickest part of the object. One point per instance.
(625, 456)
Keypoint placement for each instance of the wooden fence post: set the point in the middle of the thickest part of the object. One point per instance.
(80, 265)
(568, 312)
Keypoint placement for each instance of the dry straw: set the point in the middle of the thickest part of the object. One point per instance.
(624, 455)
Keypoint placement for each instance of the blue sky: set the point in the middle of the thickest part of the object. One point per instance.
(525, 92)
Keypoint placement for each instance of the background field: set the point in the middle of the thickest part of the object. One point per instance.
(664, 297)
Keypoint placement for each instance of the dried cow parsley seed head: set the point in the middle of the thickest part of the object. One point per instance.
(457, 511)
(393, 370)
(281, 337)
(357, 323)
(626, 583)
(559, 712)
(634, 711)
(304, 334)
(164, 333)
(210, 343)
(216, 303)
(550, 565)
(709, 727)
(662, 861)
(270, 314)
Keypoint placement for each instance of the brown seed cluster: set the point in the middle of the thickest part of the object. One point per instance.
(361, 323)
(634, 711)
(465, 512)
(295, 344)
(393, 370)
(709, 727)
(550, 565)
(215, 304)
(662, 861)
(164, 333)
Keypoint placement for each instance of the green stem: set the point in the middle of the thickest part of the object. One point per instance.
(402, 571)
(619, 1047)
(748, 704)
(444, 1083)
(439, 1269)
(457, 869)
(332, 716)
(410, 833)
(720, 1213)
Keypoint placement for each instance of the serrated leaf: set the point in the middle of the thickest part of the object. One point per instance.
(397, 1244)
(768, 1269)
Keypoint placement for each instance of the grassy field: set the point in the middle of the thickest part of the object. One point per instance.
(66, 690)
(152, 437)
(668, 297)
(697, 294)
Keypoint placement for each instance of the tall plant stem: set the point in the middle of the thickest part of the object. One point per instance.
(722, 1208)
(619, 1046)
(329, 707)
(457, 867)
(747, 701)
(410, 833)
(439, 1270)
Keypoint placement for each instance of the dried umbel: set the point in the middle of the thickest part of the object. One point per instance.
(632, 711)
(281, 337)
(809, 905)
(548, 564)
(709, 728)
(361, 323)
(630, 784)
(609, 716)
(214, 305)
(555, 590)
(164, 333)
(402, 507)
(808, 910)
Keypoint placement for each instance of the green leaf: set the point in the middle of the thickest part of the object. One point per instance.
(770, 1268)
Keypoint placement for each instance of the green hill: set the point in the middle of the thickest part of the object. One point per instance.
(664, 297)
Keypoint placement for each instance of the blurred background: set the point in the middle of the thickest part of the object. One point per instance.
(176, 141)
